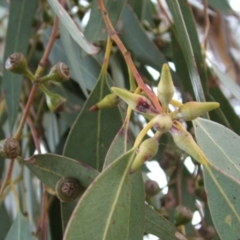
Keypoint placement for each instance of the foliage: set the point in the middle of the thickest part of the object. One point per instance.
(82, 114)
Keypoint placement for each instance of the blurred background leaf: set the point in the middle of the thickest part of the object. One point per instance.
(93, 130)
(17, 40)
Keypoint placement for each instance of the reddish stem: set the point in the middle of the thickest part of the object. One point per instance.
(127, 56)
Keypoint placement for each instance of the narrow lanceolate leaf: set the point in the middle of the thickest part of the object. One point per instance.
(221, 5)
(105, 219)
(196, 46)
(17, 39)
(5, 220)
(223, 198)
(227, 81)
(21, 229)
(159, 226)
(49, 168)
(93, 132)
(119, 146)
(186, 46)
(72, 54)
(96, 29)
(73, 30)
(220, 145)
(136, 41)
(221, 176)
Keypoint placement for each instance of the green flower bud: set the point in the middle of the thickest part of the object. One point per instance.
(192, 110)
(184, 140)
(17, 63)
(137, 102)
(55, 102)
(58, 73)
(162, 123)
(147, 150)
(165, 87)
(9, 148)
(109, 101)
(182, 215)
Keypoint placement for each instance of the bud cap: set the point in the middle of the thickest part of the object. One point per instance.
(147, 150)
(137, 102)
(165, 87)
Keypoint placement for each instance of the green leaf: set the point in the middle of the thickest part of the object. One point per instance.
(119, 146)
(159, 226)
(17, 39)
(136, 41)
(138, 7)
(180, 64)
(72, 28)
(194, 40)
(221, 176)
(87, 69)
(232, 120)
(149, 12)
(5, 221)
(223, 198)
(93, 132)
(21, 229)
(96, 29)
(71, 51)
(227, 81)
(187, 49)
(136, 221)
(49, 168)
(74, 102)
(109, 216)
(224, 151)
(66, 212)
(221, 5)
(4, 3)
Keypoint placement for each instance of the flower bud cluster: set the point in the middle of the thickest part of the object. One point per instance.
(164, 121)
(9, 148)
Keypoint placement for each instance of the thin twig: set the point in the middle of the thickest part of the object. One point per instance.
(127, 56)
(179, 183)
(26, 111)
(51, 41)
(39, 71)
